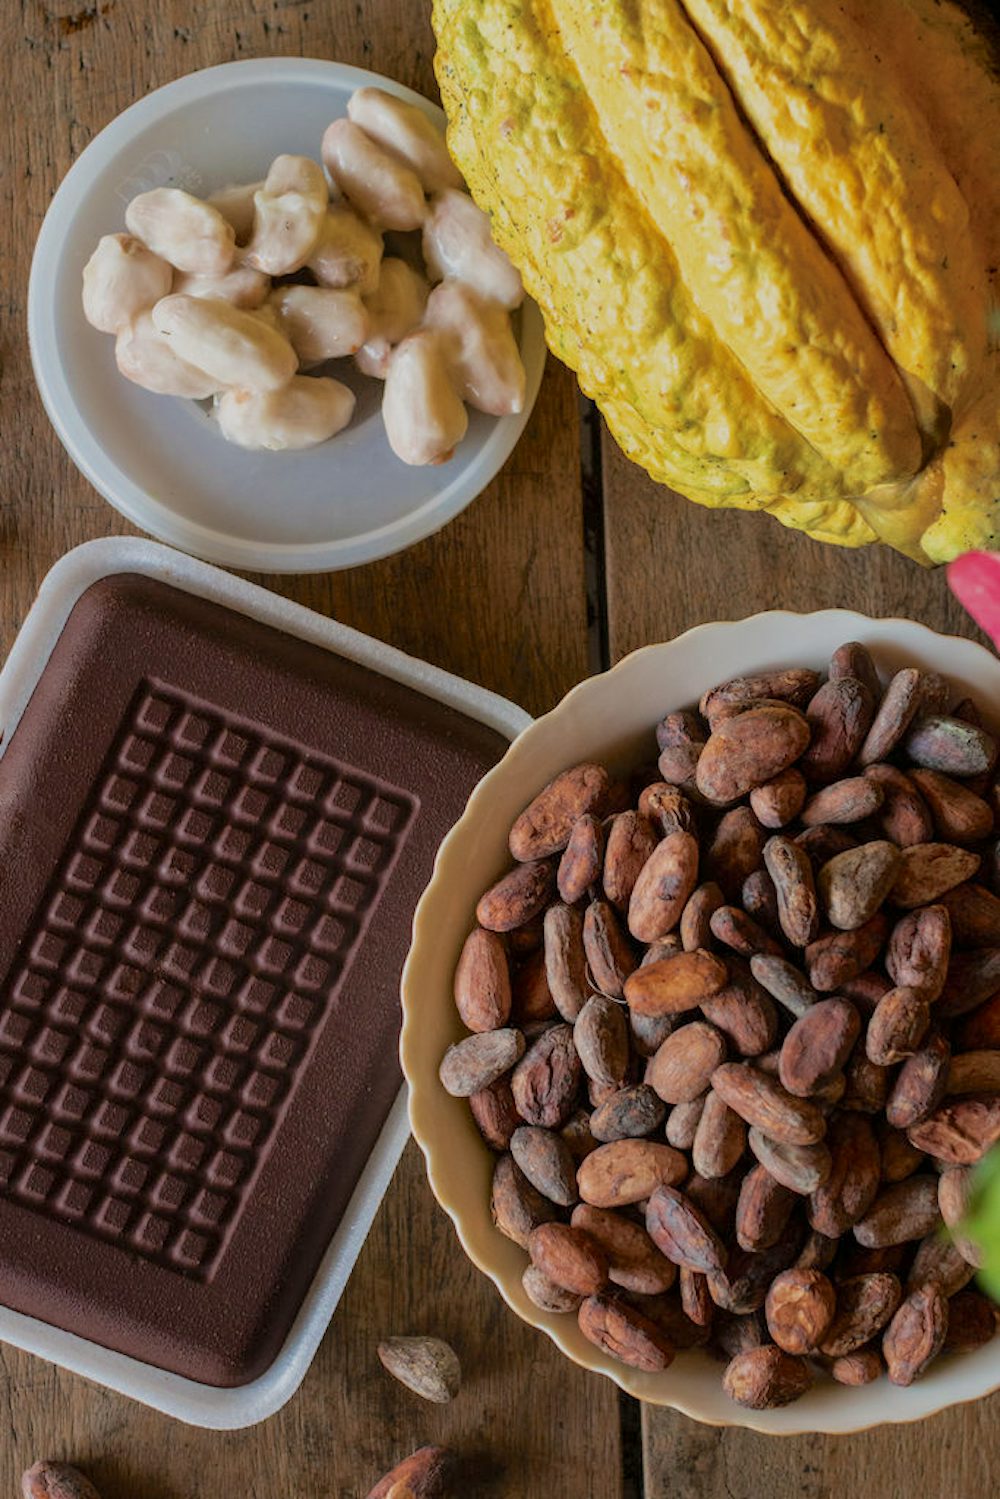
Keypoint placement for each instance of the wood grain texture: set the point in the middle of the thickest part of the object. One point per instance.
(498, 597)
(671, 565)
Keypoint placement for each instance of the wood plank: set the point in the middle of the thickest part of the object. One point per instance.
(671, 565)
(499, 597)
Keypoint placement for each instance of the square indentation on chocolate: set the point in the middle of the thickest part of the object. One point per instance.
(278, 1052)
(233, 844)
(154, 714)
(365, 855)
(68, 1007)
(219, 977)
(110, 1120)
(71, 1103)
(253, 899)
(304, 783)
(186, 1152)
(215, 883)
(183, 1057)
(273, 955)
(269, 861)
(249, 806)
(136, 754)
(287, 823)
(165, 1097)
(225, 1169)
(203, 1114)
(50, 1046)
(384, 816)
(230, 747)
(194, 827)
(195, 922)
(348, 894)
(267, 765)
(102, 833)
(15, 1125)
(118, 794)
(211, 788)
(312, 973)
(222, 1074)
(140, 850)
(146, 1041)
(32, 1086)
(160, 905)
(54, 1142)
(180, 961)
(130, 1176)
(147, 1137)
(125, 982)
(104, 928)
(112, 1215)
(256, 995)
(105, 1022)
(86, 966)
(243, 1129)
(202, 1018)
(66, 910)
(83, 871)
(156, 810)
(121, 889)
(331, 934)
(177, 866)
(210, 1209)
(92, 1160)
(74, 1198)
(289, 917)
(174, 771)
(37, 1181)
(308, 878)
(261, 1090)
(344, 799)
(163, 1000)
(191, 1249)
(142, 944)
(150, 1234)
(127, 1080)
(31, 990)
(239, 1034)
(169, 1192)
(88, 1063)
(325, 838)
(236, 939)
(296, 1013)
(48, 950)
(192, 730)
(15, 1029)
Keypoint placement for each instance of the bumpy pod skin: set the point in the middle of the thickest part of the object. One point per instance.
(562, 150)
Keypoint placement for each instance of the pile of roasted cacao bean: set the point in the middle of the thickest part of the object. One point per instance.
(736, 1032)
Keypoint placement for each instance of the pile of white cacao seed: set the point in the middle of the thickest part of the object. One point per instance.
(232, 297)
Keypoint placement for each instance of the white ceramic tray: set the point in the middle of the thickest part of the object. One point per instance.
(199, 1404)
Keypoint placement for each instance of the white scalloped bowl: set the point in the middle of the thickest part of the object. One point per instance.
(610, 718)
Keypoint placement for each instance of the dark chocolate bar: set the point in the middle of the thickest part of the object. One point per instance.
(212, 840)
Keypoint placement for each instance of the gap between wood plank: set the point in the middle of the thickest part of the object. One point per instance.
(599, 659)
(594, 556)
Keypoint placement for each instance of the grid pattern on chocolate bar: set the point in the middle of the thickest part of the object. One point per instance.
(167, 993)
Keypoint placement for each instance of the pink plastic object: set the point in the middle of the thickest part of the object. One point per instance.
(975, 582)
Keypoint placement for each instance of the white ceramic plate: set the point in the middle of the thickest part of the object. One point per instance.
(610, 718)
(157, 459)
(186, 1399)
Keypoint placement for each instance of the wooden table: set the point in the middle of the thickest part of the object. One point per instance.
(561, 567)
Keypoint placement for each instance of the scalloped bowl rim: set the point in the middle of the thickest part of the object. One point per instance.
(442, 1126)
